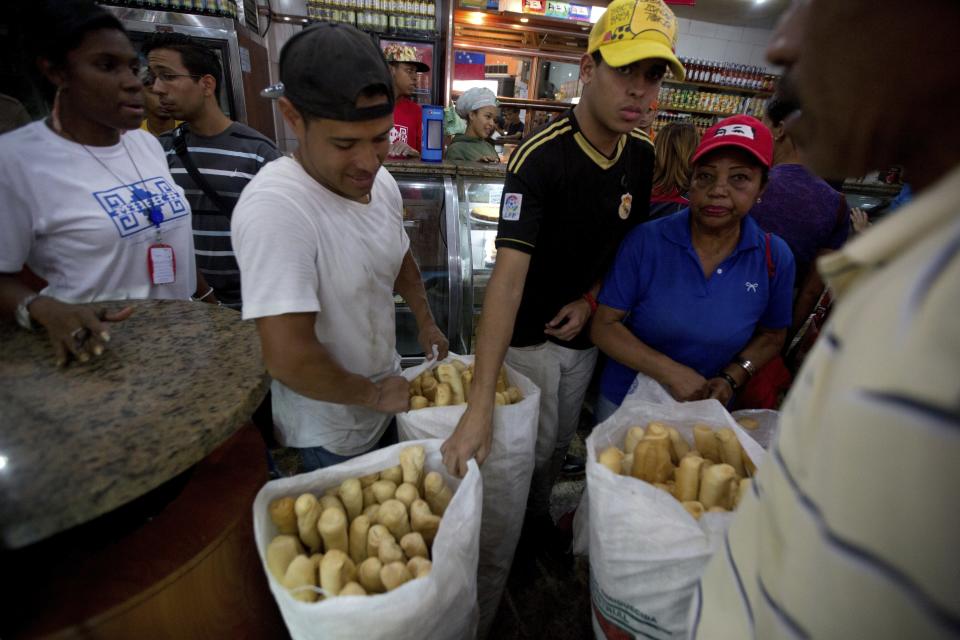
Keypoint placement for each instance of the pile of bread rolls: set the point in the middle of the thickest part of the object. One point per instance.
(366, 536)
(449, 384)
(711, 476)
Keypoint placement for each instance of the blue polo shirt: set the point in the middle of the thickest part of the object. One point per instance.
(673, 308)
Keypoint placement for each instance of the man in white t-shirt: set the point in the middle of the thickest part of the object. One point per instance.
(321, 246)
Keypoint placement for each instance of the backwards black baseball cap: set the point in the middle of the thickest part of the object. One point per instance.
(326, 67)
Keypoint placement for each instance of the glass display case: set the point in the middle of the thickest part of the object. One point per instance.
(429, 210)
(450, 214)
(479, 200)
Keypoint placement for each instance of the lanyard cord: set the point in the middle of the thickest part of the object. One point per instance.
(156, 216)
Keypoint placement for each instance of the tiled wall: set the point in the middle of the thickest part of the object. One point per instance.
(710, 41)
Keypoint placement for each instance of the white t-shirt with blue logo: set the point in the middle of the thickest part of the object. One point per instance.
(672, 307)
(84, 226)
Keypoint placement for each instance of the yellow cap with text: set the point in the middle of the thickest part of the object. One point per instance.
(633, 30)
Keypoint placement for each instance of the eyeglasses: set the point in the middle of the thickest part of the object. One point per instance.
(149, 77)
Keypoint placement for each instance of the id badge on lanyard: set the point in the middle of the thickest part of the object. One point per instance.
(161, 260)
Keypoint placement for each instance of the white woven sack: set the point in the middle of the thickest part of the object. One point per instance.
(646, 552)
(506, 477)
(440, 606)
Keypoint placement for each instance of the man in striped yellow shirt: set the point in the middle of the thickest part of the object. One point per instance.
(852, 528)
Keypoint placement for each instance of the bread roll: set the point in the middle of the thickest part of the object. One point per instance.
(351, 495)
(651, 459)
(412, 460)
(394, 574)
(333, 529)
(352, 589)
(299, 577)
(308, 513)
(384, 490)
(731, 452)
(688, 479)
(283, 515)
(414, 545)
(419, 402)
(436, 492)
(392, 474)
(611, 458)
(678, 445)
(419, 567)
(336, 570)
(705, 441)
(422, 521)
(634, 436)
(359, 530)
(407, 493)
(717, 486)
(448, 374)
(369, 575)
(393, 515)
(280, 553)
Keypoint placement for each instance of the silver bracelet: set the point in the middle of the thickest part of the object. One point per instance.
(209, 291)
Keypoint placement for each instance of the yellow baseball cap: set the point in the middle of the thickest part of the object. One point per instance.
(632, 30)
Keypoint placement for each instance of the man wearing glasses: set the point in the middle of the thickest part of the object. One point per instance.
(211, 156)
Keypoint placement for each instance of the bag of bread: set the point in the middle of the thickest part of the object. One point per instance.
(506, 472)
(761, 424)
(648, 549)
(441, 604)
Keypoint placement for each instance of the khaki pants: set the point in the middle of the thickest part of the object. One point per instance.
(563, 376)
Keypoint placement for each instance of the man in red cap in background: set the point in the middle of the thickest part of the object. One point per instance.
(407, 114)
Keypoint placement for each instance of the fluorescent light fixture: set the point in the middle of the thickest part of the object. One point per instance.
(524, 20)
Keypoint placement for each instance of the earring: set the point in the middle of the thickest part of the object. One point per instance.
(759, 200)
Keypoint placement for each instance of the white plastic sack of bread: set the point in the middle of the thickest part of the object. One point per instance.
(440, 605)
(506, 476)
(647, 552)
(643, 389)
(761, 424)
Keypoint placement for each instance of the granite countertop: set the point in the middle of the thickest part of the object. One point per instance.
(178, 378)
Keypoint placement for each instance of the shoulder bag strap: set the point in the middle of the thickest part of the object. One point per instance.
(180, 148)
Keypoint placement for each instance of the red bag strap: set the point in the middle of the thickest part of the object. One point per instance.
(771, 267)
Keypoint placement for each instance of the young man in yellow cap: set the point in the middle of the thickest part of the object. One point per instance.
(572, 193)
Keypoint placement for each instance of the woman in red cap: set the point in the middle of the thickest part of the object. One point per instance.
(701, 299)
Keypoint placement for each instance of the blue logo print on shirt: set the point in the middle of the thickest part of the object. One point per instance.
(129, 205)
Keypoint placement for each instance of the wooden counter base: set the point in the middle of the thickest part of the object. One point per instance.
(179, 563)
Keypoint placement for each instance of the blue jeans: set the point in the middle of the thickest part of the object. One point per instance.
(313, 458)
(604, 408)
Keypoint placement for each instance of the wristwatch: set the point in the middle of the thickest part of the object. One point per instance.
(748, 366)
(22, 312)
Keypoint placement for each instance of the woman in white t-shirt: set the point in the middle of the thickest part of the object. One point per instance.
(87, 201)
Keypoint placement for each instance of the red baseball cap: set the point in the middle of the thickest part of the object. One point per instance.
(745, 132)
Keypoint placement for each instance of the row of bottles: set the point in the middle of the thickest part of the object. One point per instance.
(376, 15)
(220, 8)
(702, 123)
(728, 74)
(719, 103)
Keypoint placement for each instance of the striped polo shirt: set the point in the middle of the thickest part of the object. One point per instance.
(228, 161)
(852, 527)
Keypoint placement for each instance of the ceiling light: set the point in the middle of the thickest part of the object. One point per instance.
(524, 20)
(759, 1)
(286, 18)
(476, 17)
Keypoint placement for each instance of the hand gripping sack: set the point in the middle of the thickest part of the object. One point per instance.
(506, 477)
(442, 605)
(646, 552)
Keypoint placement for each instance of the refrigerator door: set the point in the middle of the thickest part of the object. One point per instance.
(429, 211)
(479, 200)
(218, 34)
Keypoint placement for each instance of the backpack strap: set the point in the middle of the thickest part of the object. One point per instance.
(180, 148)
